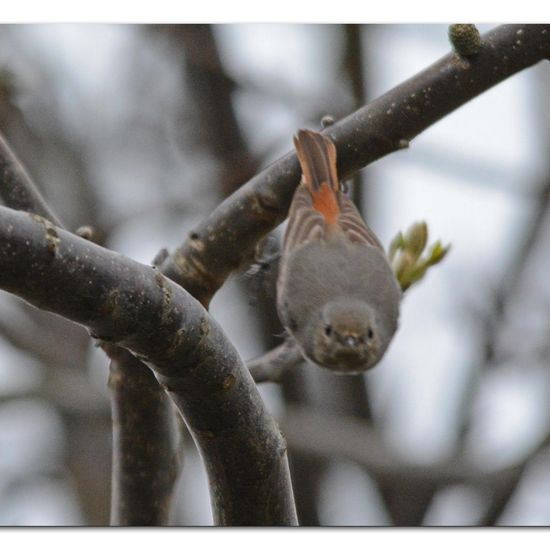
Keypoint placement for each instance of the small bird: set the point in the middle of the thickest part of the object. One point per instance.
(337, 295)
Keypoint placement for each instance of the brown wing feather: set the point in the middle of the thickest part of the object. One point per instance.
(304, 222)
(354, 226)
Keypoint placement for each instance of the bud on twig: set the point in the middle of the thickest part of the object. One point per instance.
(405, 255)
(417, 238)
(86, 232)
(465, 39)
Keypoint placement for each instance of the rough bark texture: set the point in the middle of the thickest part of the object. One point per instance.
(135, 306)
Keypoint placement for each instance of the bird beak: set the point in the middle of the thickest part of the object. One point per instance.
(350, 341)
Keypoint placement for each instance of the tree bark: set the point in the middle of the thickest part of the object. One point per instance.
(146, 457)
(134, 392)
(123, 302)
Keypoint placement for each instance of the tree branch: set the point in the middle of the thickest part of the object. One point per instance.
(314, 432)
(135, 306)
(353, 66)
(271, 366)
(17, 189)
(131, 503)
(224, 240)
(146, 458)
(216, 127)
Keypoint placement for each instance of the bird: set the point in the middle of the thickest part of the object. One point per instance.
(337, 296)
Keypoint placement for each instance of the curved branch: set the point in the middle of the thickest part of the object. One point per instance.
(135, 306)
(145, 504)
(224, 240)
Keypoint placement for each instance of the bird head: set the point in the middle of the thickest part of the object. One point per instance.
(347, 337)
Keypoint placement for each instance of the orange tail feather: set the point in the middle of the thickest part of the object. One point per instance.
(317, 156)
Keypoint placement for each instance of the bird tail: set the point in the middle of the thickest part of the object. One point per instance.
(317, 156)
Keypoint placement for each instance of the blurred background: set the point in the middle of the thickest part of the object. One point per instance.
(141, 130)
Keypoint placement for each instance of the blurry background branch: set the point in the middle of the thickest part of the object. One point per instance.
(51, 152)
(215, 125)
(327, 435)
(354, 68)
(347, 437)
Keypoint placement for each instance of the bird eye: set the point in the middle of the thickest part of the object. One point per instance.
(328, 330)
(370, 334)
(292, 324)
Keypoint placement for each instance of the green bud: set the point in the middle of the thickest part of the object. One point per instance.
(438, 252)
(405, 255)
(416, 238)
(403, 264)
(398, 243)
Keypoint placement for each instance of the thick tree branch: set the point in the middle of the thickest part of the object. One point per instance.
(145, 450)
(135, 306)
(228, 236)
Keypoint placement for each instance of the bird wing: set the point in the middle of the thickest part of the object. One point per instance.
(304, 222)
(354, 226)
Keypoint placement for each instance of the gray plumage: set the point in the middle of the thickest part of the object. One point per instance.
(337, 294)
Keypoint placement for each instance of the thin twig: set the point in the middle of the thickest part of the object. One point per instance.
(271, 366)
